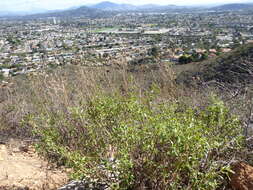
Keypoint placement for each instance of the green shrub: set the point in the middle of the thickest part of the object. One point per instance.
(184, 59)
(157, 146)
(1, 77)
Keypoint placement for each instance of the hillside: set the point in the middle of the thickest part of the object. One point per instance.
(232, 68)
(107, 127)
(138, 126)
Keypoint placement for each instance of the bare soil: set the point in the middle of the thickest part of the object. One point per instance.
(22, 169)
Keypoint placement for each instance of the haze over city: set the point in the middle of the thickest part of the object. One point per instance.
(35, 5)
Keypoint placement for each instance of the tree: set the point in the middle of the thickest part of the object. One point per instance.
(204, 56)
(185, 59)
(153, 52)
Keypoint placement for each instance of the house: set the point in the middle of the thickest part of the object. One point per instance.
(226, 50)
(249, 41)
(212, 50)
(211, 55)
(6, 72)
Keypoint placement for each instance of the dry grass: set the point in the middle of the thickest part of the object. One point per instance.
(68, 86)
(71, 85)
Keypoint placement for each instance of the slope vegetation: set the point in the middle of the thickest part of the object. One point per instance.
(235, 68)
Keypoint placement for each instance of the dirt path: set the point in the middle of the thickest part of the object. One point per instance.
(22, 169)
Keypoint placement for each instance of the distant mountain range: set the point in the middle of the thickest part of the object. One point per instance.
(234, 7)
(109, 6)
(82, 11)
(107, 9)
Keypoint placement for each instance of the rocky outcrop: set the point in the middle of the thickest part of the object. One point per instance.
(85, 185)
(242, 178)
(112, 177)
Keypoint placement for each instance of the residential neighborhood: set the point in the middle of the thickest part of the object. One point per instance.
(33, 44)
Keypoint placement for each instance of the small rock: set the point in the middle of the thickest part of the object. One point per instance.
(242, 179)
(24, 148)
(3, 152)
(15, 150)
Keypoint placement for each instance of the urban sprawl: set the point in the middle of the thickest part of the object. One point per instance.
(31, 45)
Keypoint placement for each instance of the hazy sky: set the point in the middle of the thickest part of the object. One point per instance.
(28, 5)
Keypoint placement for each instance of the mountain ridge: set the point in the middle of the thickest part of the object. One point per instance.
(234, 7)
(106, 8)
(82, 11)
(107, 5)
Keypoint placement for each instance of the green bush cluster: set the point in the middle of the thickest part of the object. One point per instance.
(1, 77)
(156, 145)
(195, 57)
(10, 66)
